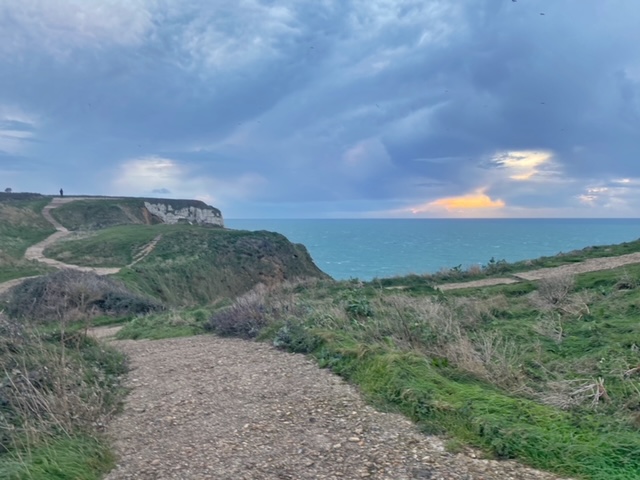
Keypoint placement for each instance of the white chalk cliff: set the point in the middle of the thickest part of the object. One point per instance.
(193, 215)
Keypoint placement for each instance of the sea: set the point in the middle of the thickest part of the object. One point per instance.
(378, 248)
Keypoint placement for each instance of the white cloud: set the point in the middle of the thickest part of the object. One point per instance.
(526, 165)
(16, 129)
(62, 25)
(618, 197)
(141, 176)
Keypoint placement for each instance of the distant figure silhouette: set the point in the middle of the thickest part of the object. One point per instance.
(61, 193)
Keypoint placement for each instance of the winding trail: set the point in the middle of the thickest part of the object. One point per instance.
(36, 252)
(226, 409)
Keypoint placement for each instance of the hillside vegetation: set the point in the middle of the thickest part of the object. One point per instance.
(21, 225)
(58, 390)
(501, 268)
(191, 265)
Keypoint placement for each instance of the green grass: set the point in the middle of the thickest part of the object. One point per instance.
(500, 268)
(76, 458)
(111, 247)
(49, 425)
(172, 324)
(506, 426)
(97, 214)
(196, 266)
(21, 225)
(191, 265)
(11, 268)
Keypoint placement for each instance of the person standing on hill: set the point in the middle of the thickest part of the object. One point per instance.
(61, 193)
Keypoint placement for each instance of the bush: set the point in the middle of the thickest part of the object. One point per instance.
(295, 337)
(71, 295)
(124, 302)
(244, 319)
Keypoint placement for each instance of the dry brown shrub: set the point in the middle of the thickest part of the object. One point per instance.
(474, 270)
(472, 311)
(502, 359)
(69, 295)
(554, 290)
(555, 293)
(567, 394)
(550, 325)
(462, 353)
(253, 311)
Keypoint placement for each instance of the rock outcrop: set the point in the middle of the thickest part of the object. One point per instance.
(189, 214)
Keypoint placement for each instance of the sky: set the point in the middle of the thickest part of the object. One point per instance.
(327, 108)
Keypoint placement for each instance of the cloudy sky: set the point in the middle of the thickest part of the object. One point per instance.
(327, 108)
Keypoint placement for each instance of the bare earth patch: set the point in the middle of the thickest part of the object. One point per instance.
(211, 408)
(589, 265)
(105, 333)
(586, 266)
(485, 282)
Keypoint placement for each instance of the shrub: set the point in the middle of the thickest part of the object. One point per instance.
(71, 295)
(296, 337)
(555, 294)
(244, 319)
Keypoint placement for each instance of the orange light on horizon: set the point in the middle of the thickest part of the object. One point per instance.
(473, 201)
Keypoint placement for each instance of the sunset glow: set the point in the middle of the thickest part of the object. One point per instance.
(473, 201)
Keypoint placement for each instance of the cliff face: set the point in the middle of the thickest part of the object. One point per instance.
(167, 213)
(97, 213)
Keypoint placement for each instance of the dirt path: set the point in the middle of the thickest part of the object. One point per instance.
(211, 408)
(36, 252)
(586, 266)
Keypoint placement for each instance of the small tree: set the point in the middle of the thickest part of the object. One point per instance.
(7, 190)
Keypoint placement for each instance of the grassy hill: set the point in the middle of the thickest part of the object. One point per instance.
(191, 265)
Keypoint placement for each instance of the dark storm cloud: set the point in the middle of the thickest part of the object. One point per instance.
(361, 103)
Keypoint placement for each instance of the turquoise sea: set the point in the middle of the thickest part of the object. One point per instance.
(380, 248)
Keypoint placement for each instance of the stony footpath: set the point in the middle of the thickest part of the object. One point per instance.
(211, 408)
(586, 266)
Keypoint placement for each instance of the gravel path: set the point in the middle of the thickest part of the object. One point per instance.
(586, 266)
(211, 408)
